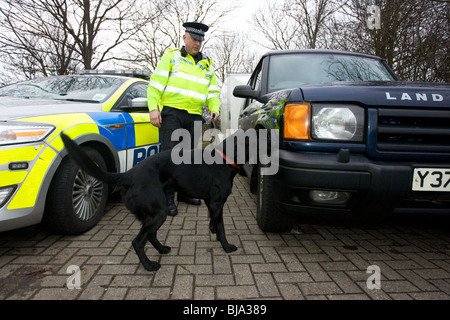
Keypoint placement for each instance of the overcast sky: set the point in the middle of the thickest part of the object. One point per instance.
(239, 17)
(239, 20)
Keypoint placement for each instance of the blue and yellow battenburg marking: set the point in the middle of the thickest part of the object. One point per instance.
(131, 134)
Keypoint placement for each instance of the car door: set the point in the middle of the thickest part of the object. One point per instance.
(141, 136)
(251, 106)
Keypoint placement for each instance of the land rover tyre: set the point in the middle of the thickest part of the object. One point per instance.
(76, 201)
(268, 216)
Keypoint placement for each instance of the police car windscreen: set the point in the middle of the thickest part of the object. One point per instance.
(71, 88)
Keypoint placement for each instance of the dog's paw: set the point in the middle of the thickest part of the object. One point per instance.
(164, 250)
(229, 248)
(151, 266)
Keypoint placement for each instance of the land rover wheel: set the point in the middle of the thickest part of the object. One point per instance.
(76, 200)
(268, 216)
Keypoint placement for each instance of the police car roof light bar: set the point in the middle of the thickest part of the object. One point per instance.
(127, 73)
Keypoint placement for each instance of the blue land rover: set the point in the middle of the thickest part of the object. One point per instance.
(353, 138)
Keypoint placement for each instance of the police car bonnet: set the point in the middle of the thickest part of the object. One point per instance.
(196, 30)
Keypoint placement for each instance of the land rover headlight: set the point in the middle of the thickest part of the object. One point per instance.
(11, 133)
(335, 122)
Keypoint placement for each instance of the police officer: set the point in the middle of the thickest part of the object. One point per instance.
(182, 83)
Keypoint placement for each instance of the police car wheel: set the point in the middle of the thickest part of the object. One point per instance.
(76, 200)
(268, 216)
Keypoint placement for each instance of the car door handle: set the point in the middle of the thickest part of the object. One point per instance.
(115, 126)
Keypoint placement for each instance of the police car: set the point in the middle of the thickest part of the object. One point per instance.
(104, 111)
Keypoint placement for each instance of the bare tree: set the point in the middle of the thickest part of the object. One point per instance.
(165, 32)
(61, 35)
(278, 30)
(93, 22)
(412, 36)
(314, 18)
(35, 47)
(231, 53)
(297, 24)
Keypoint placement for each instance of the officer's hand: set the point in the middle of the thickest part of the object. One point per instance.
(214, 116)
(155, 118)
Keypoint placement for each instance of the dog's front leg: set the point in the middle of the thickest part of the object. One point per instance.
(213, 227)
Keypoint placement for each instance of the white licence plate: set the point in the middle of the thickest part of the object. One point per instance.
(430, 179)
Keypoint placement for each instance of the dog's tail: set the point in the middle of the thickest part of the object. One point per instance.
(88, 165)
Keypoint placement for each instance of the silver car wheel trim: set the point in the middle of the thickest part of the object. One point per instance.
(86, 195)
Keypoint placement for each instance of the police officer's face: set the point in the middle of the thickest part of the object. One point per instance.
(191, 45)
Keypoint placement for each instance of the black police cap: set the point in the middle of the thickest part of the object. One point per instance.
(196, 30)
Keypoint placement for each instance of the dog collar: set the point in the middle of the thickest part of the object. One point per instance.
(228, 160)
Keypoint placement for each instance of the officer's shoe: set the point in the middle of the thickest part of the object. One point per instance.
(189, 200)
(173, 211)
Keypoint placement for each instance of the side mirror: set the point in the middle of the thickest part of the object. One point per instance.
(139, 103)
(245, 91)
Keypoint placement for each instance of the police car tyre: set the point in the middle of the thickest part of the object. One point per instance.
(76, 201)
(268, 216)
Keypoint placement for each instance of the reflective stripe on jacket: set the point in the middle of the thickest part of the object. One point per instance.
(181, 83)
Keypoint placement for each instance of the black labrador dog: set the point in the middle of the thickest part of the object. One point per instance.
(143, 187)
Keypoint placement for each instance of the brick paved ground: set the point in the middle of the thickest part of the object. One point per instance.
(318, 260)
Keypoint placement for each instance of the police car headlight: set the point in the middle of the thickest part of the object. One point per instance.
(23, 133)
(5, 194)
(334, 122)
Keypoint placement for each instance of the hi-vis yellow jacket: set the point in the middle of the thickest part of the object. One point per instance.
(181, 83)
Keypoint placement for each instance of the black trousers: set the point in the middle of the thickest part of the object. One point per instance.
(173, 119)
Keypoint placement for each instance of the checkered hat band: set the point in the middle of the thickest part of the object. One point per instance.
(196, 31)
